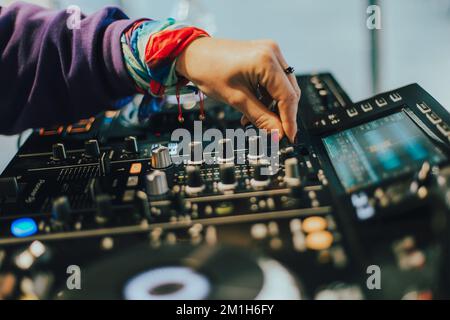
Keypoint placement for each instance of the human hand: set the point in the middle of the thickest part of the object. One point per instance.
(230, 71)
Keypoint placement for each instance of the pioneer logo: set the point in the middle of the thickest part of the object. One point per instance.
(32, 197)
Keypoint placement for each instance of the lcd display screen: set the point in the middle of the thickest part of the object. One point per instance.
(382, 149)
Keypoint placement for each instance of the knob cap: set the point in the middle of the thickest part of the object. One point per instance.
(59, 152)
(227, 174)
(255, 148)
(61, 210)
(157, 183)
(324, 97)
(196, 151)
(194, 177)
(261, 175)
(161, 158)
(226, 151)
(142, 204)
(227, 177)
(261, 172)
(131, 145)
(104, 208)
(292, 172)
(92, 149)
(178, 203)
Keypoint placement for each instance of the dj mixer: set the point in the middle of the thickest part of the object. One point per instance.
(356, 208)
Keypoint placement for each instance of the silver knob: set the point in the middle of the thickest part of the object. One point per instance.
(161, 158)
(157, 183)
(292, 172)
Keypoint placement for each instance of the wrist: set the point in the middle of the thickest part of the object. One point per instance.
(185, 60)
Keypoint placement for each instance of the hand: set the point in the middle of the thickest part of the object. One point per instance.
(230, 71)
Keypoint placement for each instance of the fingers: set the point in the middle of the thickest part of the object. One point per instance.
(291, 77)
(255, 112)
(274, 79)
(244, 121)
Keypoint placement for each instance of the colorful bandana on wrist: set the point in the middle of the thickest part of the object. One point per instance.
(150, 50)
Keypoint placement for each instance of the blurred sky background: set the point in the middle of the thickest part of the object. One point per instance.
(317, 35)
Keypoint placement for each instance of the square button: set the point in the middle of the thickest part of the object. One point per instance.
(434, 119)
(366, 107)
(423, 107)
(395, 97)
(381, 102)
(136, 168)
(132, 181)
(352, 112)
(444, 129)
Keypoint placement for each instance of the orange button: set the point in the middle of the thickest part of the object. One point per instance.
(320, 240)
(313, 224)
(136, 168)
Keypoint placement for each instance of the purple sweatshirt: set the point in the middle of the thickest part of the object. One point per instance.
(50, 74)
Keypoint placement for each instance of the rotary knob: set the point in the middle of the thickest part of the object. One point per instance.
(161, 158)
(59, 152)
(324, 97)
(227, 177)
(261, 175)
(142, 205)
(92, 150)
(292, 172)
(226, 151)
(61, 210)
(131, 145)
(157, 183)
(196, 153)
(195, 183)
(104, 209)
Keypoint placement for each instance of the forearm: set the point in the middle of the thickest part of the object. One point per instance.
(50, 74)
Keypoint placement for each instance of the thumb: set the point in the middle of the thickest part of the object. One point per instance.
(257, 113)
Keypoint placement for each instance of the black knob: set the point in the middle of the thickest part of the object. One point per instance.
(59, 152)
(61, 210)
(104, 209)
(261, 172)
(196, 151)
(292, 172)
(92, 149)
(9, 188)
(227, 174)
(178, 203)
(97, 186)
(142, 204)
(226, 151)
(131, 145)
(324, 97)
(194, 177)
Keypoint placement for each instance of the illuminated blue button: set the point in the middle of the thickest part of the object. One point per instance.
(23, 227)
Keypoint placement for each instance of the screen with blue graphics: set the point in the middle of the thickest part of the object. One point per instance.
(385, 148)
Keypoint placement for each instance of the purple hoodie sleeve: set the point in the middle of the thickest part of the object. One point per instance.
(50, 74)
